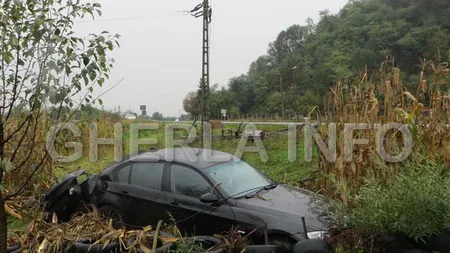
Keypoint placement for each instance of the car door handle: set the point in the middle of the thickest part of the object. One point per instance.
(125, 192)
(174, 204)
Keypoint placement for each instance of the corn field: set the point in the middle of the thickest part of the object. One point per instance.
(380, 99)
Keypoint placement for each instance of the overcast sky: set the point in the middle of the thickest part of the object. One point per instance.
(160, 54)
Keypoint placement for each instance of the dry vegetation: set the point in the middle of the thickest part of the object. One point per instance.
(374, 197)
(53, 237)
(375, 99)
(379, 100)
(31, 140)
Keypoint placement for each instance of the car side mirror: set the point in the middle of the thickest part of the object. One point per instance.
(103, 182)
(209, 198)
(105, 177)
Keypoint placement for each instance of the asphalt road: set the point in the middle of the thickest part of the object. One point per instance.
(265, 123)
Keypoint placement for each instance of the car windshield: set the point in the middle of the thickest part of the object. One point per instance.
(237, 177)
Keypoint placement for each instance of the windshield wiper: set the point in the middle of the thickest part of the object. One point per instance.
(271, 186)
(264, 188)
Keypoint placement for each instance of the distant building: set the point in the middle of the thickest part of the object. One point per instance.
(130, 117)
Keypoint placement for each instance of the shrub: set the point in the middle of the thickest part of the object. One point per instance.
(216, 124)
(416, 204)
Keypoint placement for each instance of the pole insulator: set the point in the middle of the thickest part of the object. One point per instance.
(198, 14)
(210, 15)
(198, 7)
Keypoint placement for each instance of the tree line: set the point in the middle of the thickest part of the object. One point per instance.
(304, 61)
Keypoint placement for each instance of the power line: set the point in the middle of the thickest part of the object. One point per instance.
(178, 14)
(135, 10)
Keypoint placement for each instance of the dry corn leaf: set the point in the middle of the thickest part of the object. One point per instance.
(42, 246)
(262, 198)
(410, 96)
(54, 218)
(168, 239)
(13, 212)
(145, 249)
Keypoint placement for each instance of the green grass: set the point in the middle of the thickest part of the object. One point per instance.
(15, 224)
(278, 167)
(267, 128)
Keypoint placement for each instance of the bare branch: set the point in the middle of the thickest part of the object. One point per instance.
(15, 95)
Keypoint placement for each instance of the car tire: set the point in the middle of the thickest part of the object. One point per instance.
(313, 246)
(415, 251)
(210, 240)
(13, 248)
(283, 241)
(166, 234)
(111, 213)
(395, 243)
(265, 249)
(438, 243)
(162, 249)
(85, 246)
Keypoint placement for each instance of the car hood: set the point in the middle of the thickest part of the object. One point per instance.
(286, 204)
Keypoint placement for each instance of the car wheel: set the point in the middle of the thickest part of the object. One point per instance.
(162, 233)
(265, 249)
(313, 246)
(111, 213)
(438, 243)
(85, 246)
(416, 251)
(394, 243)
(162, 249)
(210, 241)
(283, 241)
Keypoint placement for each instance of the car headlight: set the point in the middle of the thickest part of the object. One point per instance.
(317, 235)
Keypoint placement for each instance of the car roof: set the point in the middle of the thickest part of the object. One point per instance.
(193, 157)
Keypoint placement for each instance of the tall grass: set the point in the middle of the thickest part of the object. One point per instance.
(416, 204)
(379, 100)
(375, 196)
(25, 150)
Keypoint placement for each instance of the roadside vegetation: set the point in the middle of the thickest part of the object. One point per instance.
(374, 197)
(330, 72)
(43, 65)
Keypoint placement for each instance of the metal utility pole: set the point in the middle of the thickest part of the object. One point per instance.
(206, 13)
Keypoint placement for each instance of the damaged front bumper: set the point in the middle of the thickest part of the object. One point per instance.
(69, 196)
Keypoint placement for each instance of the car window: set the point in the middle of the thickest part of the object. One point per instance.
(147, 175)
(188, 182)
(122, 175)
(236, 178)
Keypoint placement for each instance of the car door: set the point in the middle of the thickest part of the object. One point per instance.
(114, 191)
(193, 216)
(148, 194)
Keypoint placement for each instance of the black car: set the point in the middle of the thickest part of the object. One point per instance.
(204, 197)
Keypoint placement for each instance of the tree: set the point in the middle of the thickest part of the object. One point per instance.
(157, 116)
(42, 63)
(191, 104)
(234, 112)
(303, 62)
(221, 98)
